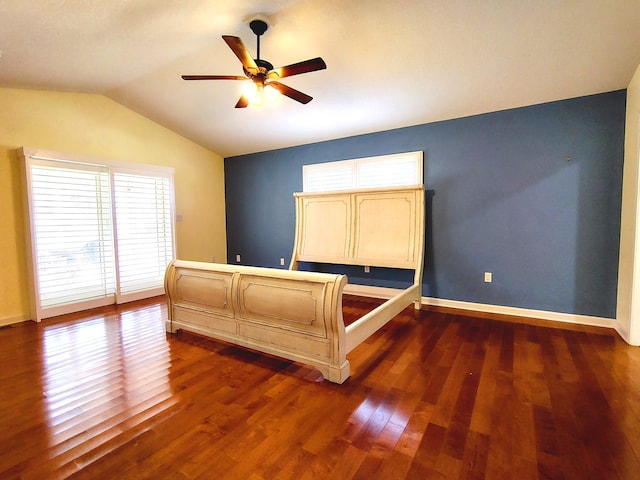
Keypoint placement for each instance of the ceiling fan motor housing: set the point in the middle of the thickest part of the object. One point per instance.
(263, 68)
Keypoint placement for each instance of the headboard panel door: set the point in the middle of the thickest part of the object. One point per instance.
(326, 230)
(385, 229)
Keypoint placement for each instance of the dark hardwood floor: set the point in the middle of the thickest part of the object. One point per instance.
(433, 395)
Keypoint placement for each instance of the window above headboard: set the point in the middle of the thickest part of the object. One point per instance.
(400, 169)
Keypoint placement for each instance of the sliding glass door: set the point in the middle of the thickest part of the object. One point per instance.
(100, 232)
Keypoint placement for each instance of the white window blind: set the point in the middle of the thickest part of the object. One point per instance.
(72, 220)
(371, 172)
(100, 232)
(143, 229)
(328, 176)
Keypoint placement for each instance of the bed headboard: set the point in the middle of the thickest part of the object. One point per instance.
(372, 227)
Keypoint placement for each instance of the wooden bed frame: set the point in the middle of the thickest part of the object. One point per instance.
(296, 314)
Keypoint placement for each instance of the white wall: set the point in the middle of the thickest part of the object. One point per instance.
(628, 310)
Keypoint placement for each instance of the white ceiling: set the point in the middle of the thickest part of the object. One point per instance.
(390, 63)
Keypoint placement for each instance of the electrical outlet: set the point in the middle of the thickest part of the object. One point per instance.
(488, 277)
(238, 258)
(213, 259)
(367, 269)
(282, 261)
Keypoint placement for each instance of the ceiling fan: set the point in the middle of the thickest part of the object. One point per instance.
(261, 72)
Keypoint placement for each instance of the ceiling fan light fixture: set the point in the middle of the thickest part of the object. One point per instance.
(270, 93)
(259, 95)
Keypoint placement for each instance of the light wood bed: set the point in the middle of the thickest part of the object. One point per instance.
(296, 314)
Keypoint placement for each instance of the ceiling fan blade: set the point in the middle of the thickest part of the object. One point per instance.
(242, 102)
(291, 92)
(242, 53)
(297, 68)
(213, 77)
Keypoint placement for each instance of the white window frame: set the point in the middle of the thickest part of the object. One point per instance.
(346, 174)
(30, 155)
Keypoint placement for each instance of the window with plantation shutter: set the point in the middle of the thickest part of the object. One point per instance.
(72, 227)
(401, 169)
(144, 230)
(99, 231)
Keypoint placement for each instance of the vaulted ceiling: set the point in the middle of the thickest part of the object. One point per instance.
(390, 63)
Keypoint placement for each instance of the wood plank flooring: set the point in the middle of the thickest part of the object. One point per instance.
(107, 394)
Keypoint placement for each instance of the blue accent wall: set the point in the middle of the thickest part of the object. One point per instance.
(501, 197)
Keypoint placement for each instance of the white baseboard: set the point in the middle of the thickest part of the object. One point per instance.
(12, 319)
(386, 293)
(524, 312)
(626, 335)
